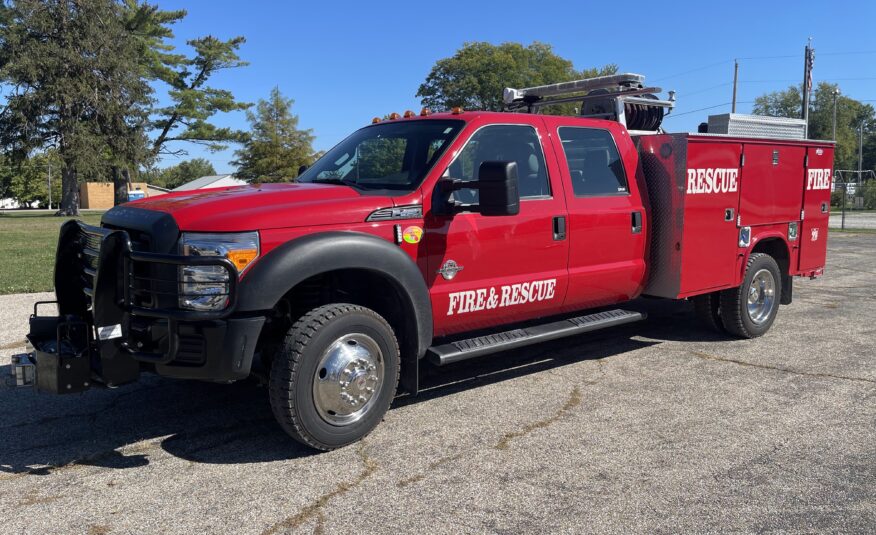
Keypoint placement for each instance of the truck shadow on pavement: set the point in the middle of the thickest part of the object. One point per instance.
(128, 427)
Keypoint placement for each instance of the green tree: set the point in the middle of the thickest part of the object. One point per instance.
(83, 75)
(193, 102)
(850, 113)
(275, 148)
(65, 62)
(475, 77)
(30, 177)
(177, 175)
(787, 103)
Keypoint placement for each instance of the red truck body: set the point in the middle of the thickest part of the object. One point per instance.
(488, 231)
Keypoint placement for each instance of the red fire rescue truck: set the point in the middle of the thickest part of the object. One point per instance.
(443, 236)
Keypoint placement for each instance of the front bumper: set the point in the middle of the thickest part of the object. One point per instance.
(118, 315)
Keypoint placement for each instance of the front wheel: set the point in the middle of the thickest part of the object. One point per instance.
(335, 375)
(750, 310)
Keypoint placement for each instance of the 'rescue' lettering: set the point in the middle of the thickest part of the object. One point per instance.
(503, 296)
(818, 179)
(712, 180)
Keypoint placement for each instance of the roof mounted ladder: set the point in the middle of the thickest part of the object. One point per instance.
(618, 97)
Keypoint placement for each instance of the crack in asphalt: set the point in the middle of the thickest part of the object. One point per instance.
(315, 507)
(32, 498)
(432, 466)
(573, 401)
(715, 358)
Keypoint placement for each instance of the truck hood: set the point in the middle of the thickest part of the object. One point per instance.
(264, 206)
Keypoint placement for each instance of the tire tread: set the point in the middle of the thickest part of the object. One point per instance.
(733, 300)
(286, 366)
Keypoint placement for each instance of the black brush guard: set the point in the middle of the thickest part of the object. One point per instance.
(103, 288)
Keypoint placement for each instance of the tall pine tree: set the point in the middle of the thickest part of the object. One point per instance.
(275, 148)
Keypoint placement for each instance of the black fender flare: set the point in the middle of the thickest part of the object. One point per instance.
(284, 267)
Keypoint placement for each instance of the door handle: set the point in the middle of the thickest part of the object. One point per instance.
(636, 220)
(559, 228)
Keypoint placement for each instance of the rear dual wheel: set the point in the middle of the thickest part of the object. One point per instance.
(749, 310)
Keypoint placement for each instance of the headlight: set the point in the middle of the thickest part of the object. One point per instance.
(205, 288)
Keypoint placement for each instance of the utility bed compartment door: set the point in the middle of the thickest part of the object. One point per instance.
(772, 179)
(708, 255)
(816, 208)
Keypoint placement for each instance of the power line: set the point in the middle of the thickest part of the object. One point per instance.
(692, 70)
(707, 108)
(698, 91)
(770, 57)
(852, 53)
(748, 58)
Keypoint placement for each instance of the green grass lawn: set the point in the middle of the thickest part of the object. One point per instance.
(27, 247)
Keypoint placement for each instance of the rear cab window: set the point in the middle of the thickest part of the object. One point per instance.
(595, 165)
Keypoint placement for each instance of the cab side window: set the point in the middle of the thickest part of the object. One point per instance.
(595, 165)
(517, 143)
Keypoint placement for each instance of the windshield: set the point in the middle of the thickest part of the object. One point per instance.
(392, 156)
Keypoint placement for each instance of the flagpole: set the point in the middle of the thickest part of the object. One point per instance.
(808, 60)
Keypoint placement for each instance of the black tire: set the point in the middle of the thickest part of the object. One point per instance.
(707, 308)
(734, 310)
(294, 374)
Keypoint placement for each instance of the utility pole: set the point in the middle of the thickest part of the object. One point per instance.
(861, 153)
(735, 81)
(49, 163)
(809, 60)
(836, 93)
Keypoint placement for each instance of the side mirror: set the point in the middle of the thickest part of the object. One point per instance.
(498, 189)
(301, 170)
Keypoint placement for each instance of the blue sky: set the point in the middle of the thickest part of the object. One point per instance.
(345, 62)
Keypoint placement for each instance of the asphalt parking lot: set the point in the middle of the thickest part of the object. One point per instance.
(655, 427)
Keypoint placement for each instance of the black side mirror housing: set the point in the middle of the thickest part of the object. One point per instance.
(498, 189)
(301, 170)
(498, 192)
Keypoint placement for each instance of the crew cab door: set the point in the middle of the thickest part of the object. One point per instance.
(485, 271)
(607, 223)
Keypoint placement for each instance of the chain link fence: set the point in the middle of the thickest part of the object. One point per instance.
(853, 199)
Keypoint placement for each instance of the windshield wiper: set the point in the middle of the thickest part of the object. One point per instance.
(333, 180)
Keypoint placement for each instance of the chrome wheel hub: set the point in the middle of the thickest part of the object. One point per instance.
(761, 296)
(348, 379)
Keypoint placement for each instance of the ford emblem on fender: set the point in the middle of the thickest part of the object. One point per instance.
(449, 270)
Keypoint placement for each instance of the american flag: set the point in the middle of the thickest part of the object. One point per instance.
(810, 62)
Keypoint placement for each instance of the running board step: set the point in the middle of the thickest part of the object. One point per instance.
(491, 343)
